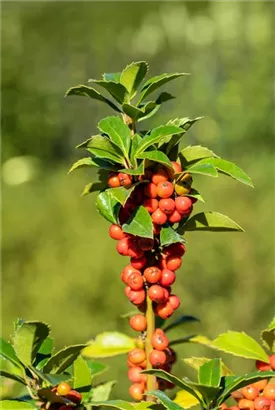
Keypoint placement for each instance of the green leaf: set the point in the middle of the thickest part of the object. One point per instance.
(142, 405)
(185, 123)
(108, 206)
(202, 340)
(271, 325)
(118, 132)
(132, 76)
(49, 395)
(111, 77)
(102, 147)
(136, 140)
(109, 344)
(240, 344)
(83, 90)
(163, 97)
(181, 320)
(168, 236)
(184, 384)
(149, 113)
(102, 391)
(61, 360)
(7, 351)
(156, 156)
(51, 379)
(82, 377)
(210, 221)
(195, 153)
(155, 82)
(210, 373)
(268, 336)
(167, 403)
(228, 168)
(16, 405)
(233, 383)
(136, 171)
(121, 194)
(132, 111)
(96, 368)
(203, 169)
(27, 340)
(195, 194)
(83, 162)
(140, 224)
(197, 362)
(117, 91)
(117, 404)
(93, 187)
(208, 393)
(47, 347)
(185, 399)
(15, 377)
(156, 135)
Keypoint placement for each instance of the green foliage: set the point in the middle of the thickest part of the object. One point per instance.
(210, 373)
(139, 224)
(108, 344)
(210, 221)
(168, 236)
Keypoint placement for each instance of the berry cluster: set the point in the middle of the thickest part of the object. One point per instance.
(151, 271)
(65, 390)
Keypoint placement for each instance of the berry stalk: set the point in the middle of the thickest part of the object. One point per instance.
(150, 320)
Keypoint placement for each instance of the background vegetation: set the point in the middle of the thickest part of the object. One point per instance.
(58, 263)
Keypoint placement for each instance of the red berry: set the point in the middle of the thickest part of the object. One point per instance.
(176, 166)
(173, 262)
(125, 180)
(139, 263)
(174, 301)
(262, 366)
(123, 245)
(234, 408)
(159, 217)
(136, 356)
(175, 217)
(137, 297)
(164, 310)
(150, 190)
(246, 404)
(113, 180)
(260, 385)
(151, 204)
(183, 205)
(152, 274)
(171, 356)
(261, 403)
(167, 277)
(136, 391)
(156, 293)
(127, 271)
(269, 391)
(174, 249)
(272, 361)
(134, 375)
(146, 244)
(167, 205)
(157, 358)
(63, 389)
(272, 405)
(135, 281)
(138, 323)
(134, 250)
(250, 392)
(116, 232)
(159, 340)
(166, 294)
(159, 176)
(74, 396)
(165, 189)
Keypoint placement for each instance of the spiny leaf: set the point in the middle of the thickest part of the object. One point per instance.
(82, 379)
(117, 404)
(93, 187)
(168, 236)
(140, 224)
(47, 393)
(149, 113)
(167, 403)
(111, 77)
(117, 91)
(203, 169)
(163, 97)
(197, 362)
(92, 162)
(196, 153)
(210, 373)
(195, 194)
(108, 206)
(108, 344)
(83, 90)
(61, 360)
(101, 147)
(7, 352)
(156, 156)
(121, 194)
(96, 368)
(155, 136)
(118, 132)
(102, 391)
(132, 76)
(210, 221)
(132, 111)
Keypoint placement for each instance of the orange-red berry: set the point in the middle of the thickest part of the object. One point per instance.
(262, 366)
(156, 293)
(159, 176)
(135, 376)
(123, 246)
(125, 180)
(136, 391)
(159, 217)
(157, 358)
(150, 190)
(137, 297)
(138, 323)
(164, 310)
(246, 404)
(167, 277)
(260, 385)
(175, 217)
(136, 356)
(167, 205)
(151, 204)
(250, 392)
(173, 262)
(63, 389)
(165, 189)
(159, 340)
(134, 250)
(261, 403)
(146, 244)
(183, 205)
(269, 391)
(116, 232)
(176, 166)
(152, 274)
(272, 361)
(127, 271)
(174, 249)
(174, 301)
(135, 281)
(139, 263)
(74, 396)
(113, 180)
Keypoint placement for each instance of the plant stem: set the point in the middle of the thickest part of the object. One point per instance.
(150, 318)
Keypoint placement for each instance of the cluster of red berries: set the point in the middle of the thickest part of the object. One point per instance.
(65, 390)
(151, 271)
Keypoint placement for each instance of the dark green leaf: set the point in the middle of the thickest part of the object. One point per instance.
(140, 224)
(148, 108)
(132, 76)
(82, 377)
(47, 346)
(15, 377)
(61, 360)
(156, 135)
(7, 351)
(16, 405)
(102, 147)
(118, 132)
(96, 368)
(117, 91)
(167, 403)
(108, 344)
(210, 373)
(268, 337)
(195, 153)
(27, 340)
(111, 77)
(163, 97)
(210, 221)
(83, 90)
(132, 111)
(156, 156)
(121, 194)
(117, 404)
(102, 391)
(181, 320)
(136, 141)
(108, 206)
(93, 187)
(51, 379)
(195, 194)
(155, 82)
(168, 236)
(203, 169)
(209, 393)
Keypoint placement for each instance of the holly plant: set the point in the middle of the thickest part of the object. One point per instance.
(146, 192)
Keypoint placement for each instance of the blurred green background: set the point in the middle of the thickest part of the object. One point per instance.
(58, 263)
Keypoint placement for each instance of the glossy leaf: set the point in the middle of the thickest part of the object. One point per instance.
(185, 123)
(210, 373)
(12, 376)
(102, 391)
(108, 206)
(61, 360)
(27, 340)
(16, 405)
(185, 399)
(168, 236)
(96, 368)
(132, 76)
(111, 77)
(228, 168)
(132, 111)
(240, 344)
(197, 362)
(210, 221)
(93, 187)
(181, 320)
(140, 224)
(136, 141)
(7, 352)
(121, 194)
(155, 82)
(164, 400)
(101, 147)
(117, 404)
(83, 90)
(117, 91)
(156, 156)
(82, 378)
(195, 194)
(195, 153)
(156, 135)
(109, 344)
(118, 132)
(83, 162)
(203, 169)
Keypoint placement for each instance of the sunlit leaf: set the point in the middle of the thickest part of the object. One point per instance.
(83, 90)
(140, 224)
(210, 221)
(109, 344)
